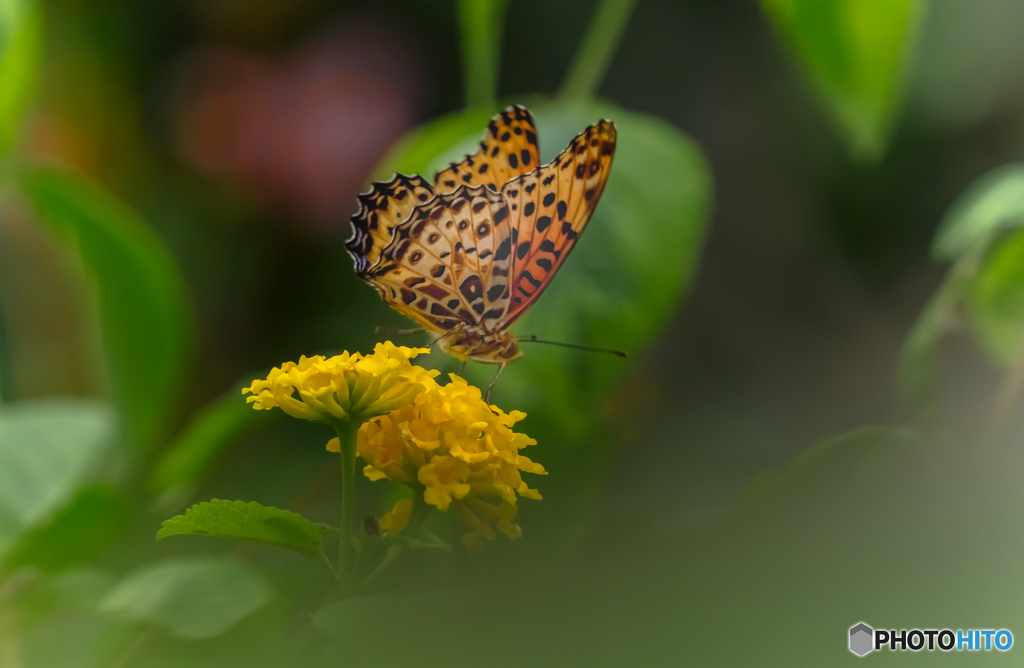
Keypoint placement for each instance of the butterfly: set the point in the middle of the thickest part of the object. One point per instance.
(467, 255)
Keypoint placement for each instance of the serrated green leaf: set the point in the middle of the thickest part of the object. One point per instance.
(856, 53)
(992, 203)
(211, 431)
(47, 448)
(996, 300)
(143, 308)
(199, 598)
(632, 266)
(21, 48)
(246, 521)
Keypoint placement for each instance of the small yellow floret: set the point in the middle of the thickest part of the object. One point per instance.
(457, 450)
(397, 518)
(343, 387)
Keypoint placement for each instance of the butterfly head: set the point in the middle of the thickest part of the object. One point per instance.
(486, 347)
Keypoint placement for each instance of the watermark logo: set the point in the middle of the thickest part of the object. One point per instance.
(864, 639)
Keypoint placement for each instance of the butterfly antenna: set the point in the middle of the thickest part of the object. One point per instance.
(589, 349)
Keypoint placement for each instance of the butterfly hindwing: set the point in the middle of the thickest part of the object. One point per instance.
(509, 149)
(381, 210)
(445, 265)
(550, 207)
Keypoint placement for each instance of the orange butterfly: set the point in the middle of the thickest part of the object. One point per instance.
(468, 255)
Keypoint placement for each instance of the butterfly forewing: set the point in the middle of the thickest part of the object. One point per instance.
(444, 266)
(550, 207)
(381, 210)
(508, 150)
(477, 248)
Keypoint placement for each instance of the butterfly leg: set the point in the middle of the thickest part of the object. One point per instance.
(487, 395)
(448, 333)
(462, 369)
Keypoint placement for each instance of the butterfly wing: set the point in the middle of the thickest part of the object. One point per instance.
(550, 206)
(381, 210)
(509, 149)
(449, 263)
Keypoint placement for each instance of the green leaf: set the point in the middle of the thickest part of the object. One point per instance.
(631, 268)
(996, 300)
(422, 539)
(359, 617)
(143, 308)
(47, 449)
(206, 437)
(198, 598)
(453, 135)
(989, 205)
(21, 49)
(823, 473)
(856, 53)
(78, 532)
(246, 521)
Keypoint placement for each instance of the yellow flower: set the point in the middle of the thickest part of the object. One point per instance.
(345, 386)
(457, 450)
(395, 519)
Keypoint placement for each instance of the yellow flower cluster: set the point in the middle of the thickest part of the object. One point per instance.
(449, 444)
(343, 387)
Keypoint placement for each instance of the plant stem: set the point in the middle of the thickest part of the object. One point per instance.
(347, 440)
(480, 22)
(595, 53)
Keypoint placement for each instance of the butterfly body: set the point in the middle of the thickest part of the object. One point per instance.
(467, 255)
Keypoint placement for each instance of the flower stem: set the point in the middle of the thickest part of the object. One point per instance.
(347, 440)
(480, 22)
(595, 53)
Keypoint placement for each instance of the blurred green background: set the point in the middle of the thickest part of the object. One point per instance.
(809, 244)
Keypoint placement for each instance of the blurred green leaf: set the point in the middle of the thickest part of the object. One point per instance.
(246, 521)
(47, 448)
(21, 50)
(205, 438)
(422, 539)
(453, 135)
(143, 307)
(634, 263)
(990, 204)
(918, 375)
(358, 618)
(996, 300)
(856, 52)
(825, 471)
(78, 532)
(199, 598)
(987, 281)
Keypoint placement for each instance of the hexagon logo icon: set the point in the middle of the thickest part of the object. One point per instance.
(862, 639)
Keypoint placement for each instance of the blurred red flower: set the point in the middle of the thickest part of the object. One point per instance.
(304, 131)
